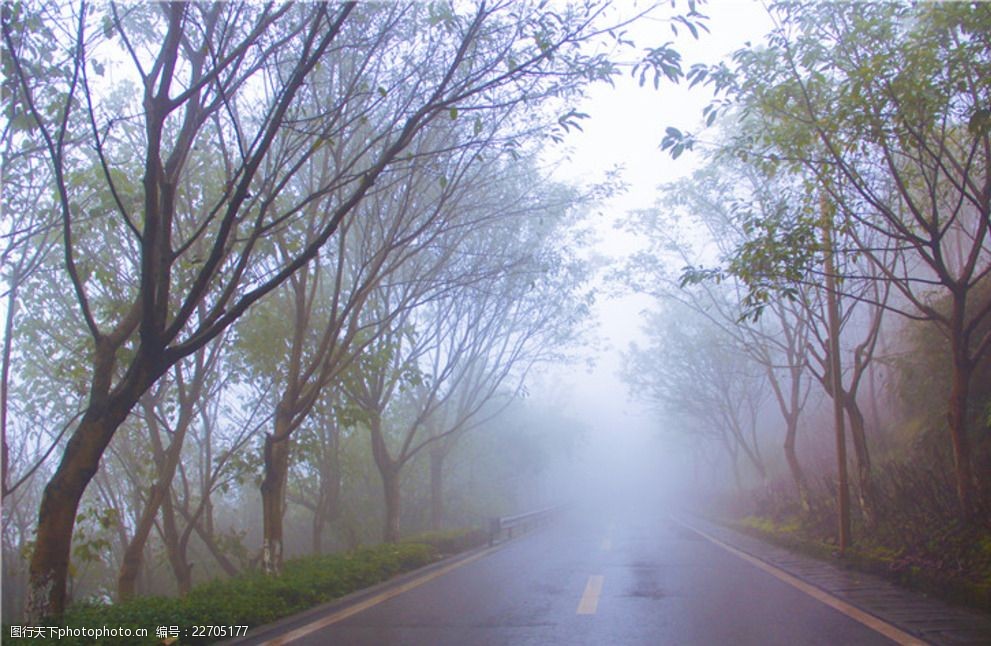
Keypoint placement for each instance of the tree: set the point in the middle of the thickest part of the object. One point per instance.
(866, 298)
(723, 199)
(483, 304)
(192, 383)
(319, 472)
(503, 330)
(695, 371)
(776, 212)
(241, 78)
(27, 244)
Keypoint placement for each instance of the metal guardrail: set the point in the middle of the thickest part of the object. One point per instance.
(520, 522)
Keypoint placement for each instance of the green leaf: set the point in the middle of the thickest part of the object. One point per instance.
(23, 121)
(108, 28)
(979, 122)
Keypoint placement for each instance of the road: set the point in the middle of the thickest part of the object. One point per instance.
(635, 578)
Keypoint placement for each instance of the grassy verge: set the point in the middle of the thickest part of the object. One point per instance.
(251, 599)
(961, 573)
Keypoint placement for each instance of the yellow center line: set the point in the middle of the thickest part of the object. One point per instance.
(344, 613)
(874, 623)
(590, 599)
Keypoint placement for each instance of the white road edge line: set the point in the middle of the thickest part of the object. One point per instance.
(344, 613)
(874, 623)
(590, 598)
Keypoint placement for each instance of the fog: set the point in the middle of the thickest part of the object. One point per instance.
(629, 450)
(385, 274)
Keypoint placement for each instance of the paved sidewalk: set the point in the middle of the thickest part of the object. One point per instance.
(932, 620)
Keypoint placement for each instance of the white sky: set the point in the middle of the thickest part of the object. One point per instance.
(625, 128)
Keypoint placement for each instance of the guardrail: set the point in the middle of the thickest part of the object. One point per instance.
(520, 522)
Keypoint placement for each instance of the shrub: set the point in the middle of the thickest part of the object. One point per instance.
(251, 599)
(917, 539)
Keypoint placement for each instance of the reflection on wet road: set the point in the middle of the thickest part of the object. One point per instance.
(636, 578)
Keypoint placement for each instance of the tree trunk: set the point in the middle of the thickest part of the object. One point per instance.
(758, 465)
(273, 490)
(130, 564)
(175, 549)
(206, 467)
(957, 421)
(8, 342)
(327, 508)
(836, 377)
(207, 512)
(211, 545)
(874, 407)
(734, 455)
(49, 568)
(736, 474)
(797, 475)
(390, 484)
(436, 489)
(865, 481)
(752, 454)
(319, 520)
(389, 470)
(134, 553)
(328, 501)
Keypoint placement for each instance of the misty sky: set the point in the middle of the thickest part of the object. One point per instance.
(625, 129)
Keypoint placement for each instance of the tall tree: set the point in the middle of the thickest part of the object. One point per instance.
(694, 371)
(419, 214)
(192, 383)
(724, 199)
(503, 297)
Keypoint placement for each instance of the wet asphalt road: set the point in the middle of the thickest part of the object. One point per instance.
(657, 583)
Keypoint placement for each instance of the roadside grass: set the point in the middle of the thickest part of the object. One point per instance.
(916, 540)
(254, 599)
(967, 581)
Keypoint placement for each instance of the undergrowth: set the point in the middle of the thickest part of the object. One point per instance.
(252, 599)
(916, 537)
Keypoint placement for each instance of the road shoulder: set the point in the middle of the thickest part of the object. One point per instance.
(931, 620)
